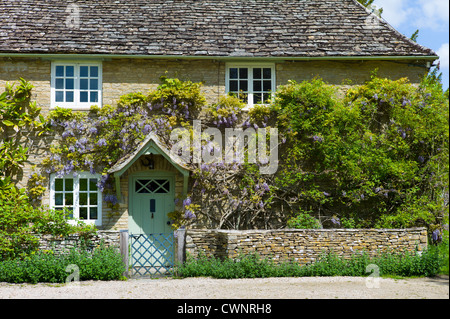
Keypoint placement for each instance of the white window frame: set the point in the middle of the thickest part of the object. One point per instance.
(76, 104)
(250, 67)
(76, 196)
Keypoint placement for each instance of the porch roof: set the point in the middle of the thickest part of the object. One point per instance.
(150, 145)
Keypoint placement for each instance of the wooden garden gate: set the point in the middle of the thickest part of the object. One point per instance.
(152, 254)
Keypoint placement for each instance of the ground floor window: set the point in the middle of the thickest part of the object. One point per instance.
(79, 195)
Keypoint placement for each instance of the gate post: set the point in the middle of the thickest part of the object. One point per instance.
(124, 250)
(181, 245)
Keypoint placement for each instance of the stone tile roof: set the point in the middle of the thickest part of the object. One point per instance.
(241, 28)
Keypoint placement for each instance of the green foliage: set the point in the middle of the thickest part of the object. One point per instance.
(304, 220)
(443, 250)
(16, 215)
(226, 112)
(12, 157)
(20, 222)
(404, 264)
(186, 94)
(16, 110)
(100, 264)
(18, 118)
(382, 151)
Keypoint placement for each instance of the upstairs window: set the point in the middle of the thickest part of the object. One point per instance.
(253, 84)
(76, 85)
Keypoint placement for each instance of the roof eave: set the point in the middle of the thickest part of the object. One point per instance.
(53, 56)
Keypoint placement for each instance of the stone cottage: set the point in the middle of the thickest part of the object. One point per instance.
(83, 53)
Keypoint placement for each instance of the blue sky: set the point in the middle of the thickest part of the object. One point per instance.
(430, 17)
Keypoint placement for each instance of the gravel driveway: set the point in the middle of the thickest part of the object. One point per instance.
(265, 288)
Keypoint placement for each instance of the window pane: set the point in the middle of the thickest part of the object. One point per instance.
(83, 199)
(84, 84)
(69, 96)
(84, 96)
(257, 73)
(243, 73)
(84, 71)
(68, 184)
(267, 86)
(257, 86)
(83, 213)
(69, 71)
(83, 184)
(59, 70)
(93, 199)
(93, 213)
(69, 84)
(59, 84)
(94, 97)
(94, 84)
(59, 199)
(243, 86)
(94, 71)
(59, 183)
(68, 199)
(256, 98)
(233, 73)
(59, 96)
(70, 210)
(234, 86)
(267, 72)
(93, 184)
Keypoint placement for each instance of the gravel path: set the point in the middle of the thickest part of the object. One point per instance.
(265, 288)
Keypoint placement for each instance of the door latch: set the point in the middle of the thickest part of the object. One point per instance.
(152, 207)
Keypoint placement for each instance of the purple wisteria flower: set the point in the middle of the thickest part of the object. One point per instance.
(187, 201)
(111, 198)
(436, 235)
(101, 142)
(336, 221)
(317, 138)
(189, 214)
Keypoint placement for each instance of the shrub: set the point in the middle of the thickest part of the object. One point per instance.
(405, 264)
(100, 264)
(304, 220)
(381, 151)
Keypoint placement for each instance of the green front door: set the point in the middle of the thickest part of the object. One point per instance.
(151, 198)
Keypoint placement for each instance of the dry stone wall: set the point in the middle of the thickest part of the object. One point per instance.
(302, 245)
(110, 238)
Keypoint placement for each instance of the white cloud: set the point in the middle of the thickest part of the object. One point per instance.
(394, 11)
(443, 53)
(433, 14)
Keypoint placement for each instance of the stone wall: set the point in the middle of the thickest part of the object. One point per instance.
(302, 245)
(110, 238)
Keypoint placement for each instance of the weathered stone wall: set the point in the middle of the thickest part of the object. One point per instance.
(110, 238)
(302, 245)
